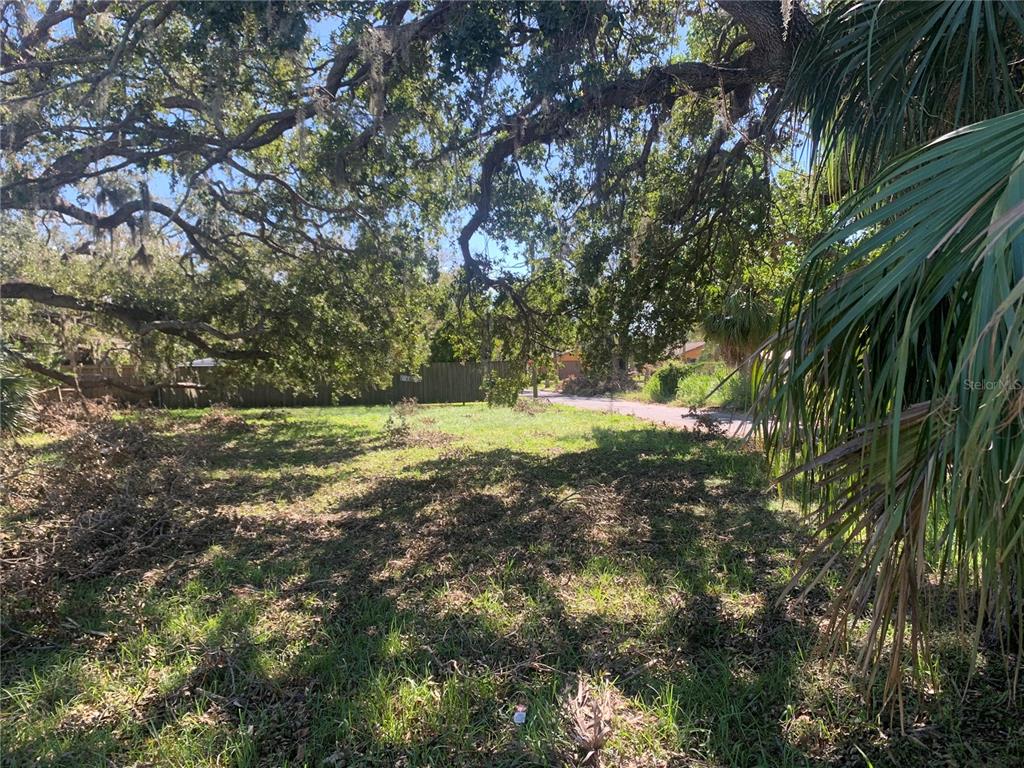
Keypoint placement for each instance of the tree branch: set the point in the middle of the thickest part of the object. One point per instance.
(660, 85)
(768, 63)
(141, 321)
(70, 380)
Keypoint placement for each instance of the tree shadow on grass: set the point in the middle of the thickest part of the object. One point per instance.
(272, 440)
(412, 617)
(125, 499)
(514, 573)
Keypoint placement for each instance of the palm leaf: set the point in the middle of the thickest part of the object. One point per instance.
(879, 78)
(16, 402)
(895, 382)
(739, 325)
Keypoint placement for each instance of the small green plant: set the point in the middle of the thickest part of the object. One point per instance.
(396, 428)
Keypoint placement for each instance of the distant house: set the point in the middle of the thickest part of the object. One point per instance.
(690, 351)
(571, 364)
(568, 364)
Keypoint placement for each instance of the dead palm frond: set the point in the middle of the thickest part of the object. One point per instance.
(589, 713)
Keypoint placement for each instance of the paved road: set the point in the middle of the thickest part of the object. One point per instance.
(734, 424)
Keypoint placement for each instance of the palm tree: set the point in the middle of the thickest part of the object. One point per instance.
(894, 383)
(739, 325)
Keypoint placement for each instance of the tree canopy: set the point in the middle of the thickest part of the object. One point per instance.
(308, 164)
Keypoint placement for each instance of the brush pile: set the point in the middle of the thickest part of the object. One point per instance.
(530, 406)
(222, 417)
(116, 496)
(581, 385)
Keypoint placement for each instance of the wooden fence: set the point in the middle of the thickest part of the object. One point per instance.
(435, 383)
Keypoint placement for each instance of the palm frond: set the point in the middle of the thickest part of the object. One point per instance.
(881, 77)
(739, 325)
(16, 403)
(895, 386)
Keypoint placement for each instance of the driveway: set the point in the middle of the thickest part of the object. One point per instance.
(734, 424)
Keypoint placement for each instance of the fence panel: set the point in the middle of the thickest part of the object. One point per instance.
(435, 383)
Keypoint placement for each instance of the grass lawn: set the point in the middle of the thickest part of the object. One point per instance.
(308, 588)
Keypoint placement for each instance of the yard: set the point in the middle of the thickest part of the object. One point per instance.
(354, 587)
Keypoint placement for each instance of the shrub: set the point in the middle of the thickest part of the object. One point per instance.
(661, 387)
(695, 386)
(503, 390)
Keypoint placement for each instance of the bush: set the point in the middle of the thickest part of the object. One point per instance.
(584, 386)
(661, 387)
(695, 387)
(691, 384)
(503, 390)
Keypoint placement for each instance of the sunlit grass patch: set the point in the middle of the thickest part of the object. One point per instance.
(612, 591)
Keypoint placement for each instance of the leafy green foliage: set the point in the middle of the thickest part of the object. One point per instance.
(16, 402)
(661, 386)
(307, 162)
(739, 325)
(463, 329)
(714, 384)
(882, 77)
(651, 279)
(707, 384)
(348, 318)
(502, 389)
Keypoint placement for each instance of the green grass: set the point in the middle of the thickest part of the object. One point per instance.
(336, 597)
